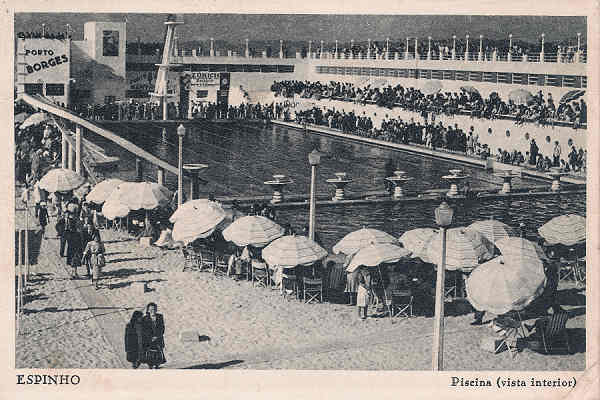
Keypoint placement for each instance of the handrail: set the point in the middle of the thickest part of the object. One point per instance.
(63, 113)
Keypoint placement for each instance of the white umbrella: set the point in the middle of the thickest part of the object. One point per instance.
(254, 230)
(184, 210)
(291, 251)
(521, 250)
(354, 241)
(501, 285)
(114, 209)
(418, 241)
(566, 229)
(492, 229)
(141, 195)
(465, 249)
(35, 119)
(375, 254)
(61, 180)
(200, 222)
(102, 190)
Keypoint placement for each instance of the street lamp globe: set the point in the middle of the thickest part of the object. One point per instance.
(181, 130)
(314, 157)
(443, 215)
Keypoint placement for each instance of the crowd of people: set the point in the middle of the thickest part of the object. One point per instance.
(437, 136)
(468, 102)
(37, 149)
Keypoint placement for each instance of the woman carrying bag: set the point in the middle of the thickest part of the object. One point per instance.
(153, 331)
(94, 255)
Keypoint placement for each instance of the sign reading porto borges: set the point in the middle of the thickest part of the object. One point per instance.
(45, 59)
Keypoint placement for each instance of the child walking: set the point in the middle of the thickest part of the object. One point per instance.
(362, 296)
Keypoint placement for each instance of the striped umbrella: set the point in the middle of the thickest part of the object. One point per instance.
(376, 254)
(501, 285)
(521, 250)
(432, 87)
(418, 240)
(35, 119)
(571, 95)
(565, 229)
(199, 222)
(354, 241)
(21, 117)
(520, 96)
(254, 230)
(102, 190)
(61, 180)
(291, 251)
(465, 249)
(492, 230)
(141, 195)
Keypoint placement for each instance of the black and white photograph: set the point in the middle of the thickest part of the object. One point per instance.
(313, 191)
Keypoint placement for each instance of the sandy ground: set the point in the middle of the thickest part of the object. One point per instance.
(241, 326)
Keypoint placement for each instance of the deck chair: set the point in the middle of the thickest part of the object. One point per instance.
(191, 259)
(260, 276)
(219, 267)
(207, 258)
(400, 303)
(574, 269)
(313, 290)
(551, 328)
(508, 329)
(289, 285)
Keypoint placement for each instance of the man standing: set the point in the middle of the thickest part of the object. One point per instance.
(60, 231)
(556, 154)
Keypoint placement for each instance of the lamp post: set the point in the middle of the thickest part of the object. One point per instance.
(180, 134)
(44, 31)
(429, 47)
(542, 52)
(416, 48)
(336, 48)
(443, 218)
(454, 47)
(406, 52)
(309, 49)
(368, 48)
(387, 45)
(314, 158)
(480, 48)
(321, 54)
(577, 55)
(467, 50)
(510, 47)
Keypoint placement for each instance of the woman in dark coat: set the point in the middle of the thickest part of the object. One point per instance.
(153, 337)
(133, 339)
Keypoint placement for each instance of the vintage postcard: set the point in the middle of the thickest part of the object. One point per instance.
(336, 200)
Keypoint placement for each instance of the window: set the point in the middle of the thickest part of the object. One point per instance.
(55, 89)
(110, 43)
(34, 88)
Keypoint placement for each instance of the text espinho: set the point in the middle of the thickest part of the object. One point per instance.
(51, 62)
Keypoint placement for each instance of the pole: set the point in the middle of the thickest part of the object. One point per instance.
(78, 133)
(64, 150)
(311, 222)
(437, 361)
(18, 270)
(180, 173)
(26, 238)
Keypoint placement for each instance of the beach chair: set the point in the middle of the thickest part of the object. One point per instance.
(219, 267)
(313, 290)
(289, 285)
(192, 260)
(508, 329)
(207, 258)
(400, 303)
(574, 269)
(260, 275)
(551, 330)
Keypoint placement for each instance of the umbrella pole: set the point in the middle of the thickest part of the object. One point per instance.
(385, 293)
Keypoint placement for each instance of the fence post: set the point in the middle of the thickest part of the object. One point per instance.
(78, 135)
